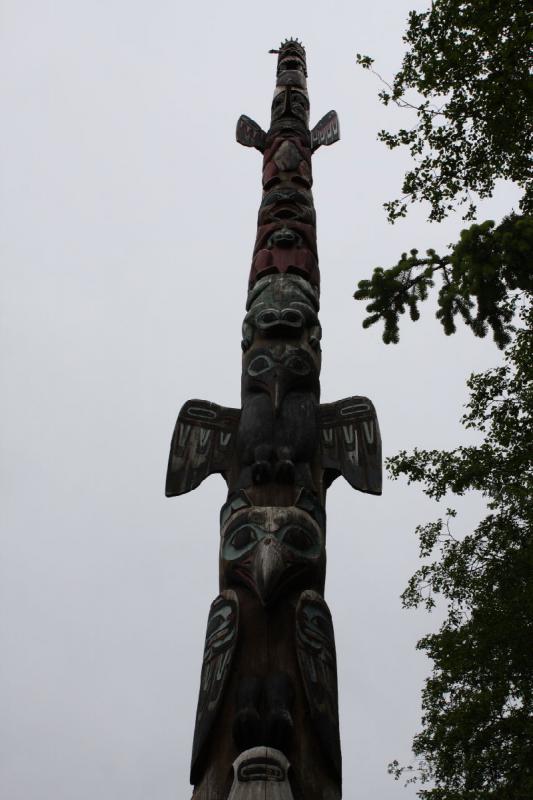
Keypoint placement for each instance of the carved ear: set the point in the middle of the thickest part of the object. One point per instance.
(326, 131)
(350, 443)
(250, 134)
(203, 443)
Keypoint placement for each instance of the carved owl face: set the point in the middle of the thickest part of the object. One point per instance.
(278, 370)
(270, 549)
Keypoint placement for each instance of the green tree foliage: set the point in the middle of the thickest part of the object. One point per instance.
(476, 741)
(479, 279)
(470, 63)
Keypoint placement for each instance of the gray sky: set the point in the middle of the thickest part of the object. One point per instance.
(128, 217)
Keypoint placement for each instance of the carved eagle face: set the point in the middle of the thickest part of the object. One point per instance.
(278, 370)
(271, 549)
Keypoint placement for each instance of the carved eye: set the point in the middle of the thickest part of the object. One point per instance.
(268, 317)
(293, 317)
(298, 538)
(243, 537)
(259, 365)
(298, 365)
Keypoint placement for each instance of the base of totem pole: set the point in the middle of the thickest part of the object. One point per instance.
(261, 774)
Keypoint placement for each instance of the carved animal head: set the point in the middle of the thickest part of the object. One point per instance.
(272, 549)
(278, 370)
(283, 305)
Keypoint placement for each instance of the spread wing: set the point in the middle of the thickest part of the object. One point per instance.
(250, 134)
(203, 443)
(326, 131)
(220, 642)
(315, 645)
(350, 443)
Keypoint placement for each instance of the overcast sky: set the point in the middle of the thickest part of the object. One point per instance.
(128, 216)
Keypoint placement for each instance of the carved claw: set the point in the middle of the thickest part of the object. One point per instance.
(285, 471)
(261, 472)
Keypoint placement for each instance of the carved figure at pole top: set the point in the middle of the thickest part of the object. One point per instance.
(267, 723)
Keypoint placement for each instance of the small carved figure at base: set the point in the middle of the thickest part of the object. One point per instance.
(261, 774)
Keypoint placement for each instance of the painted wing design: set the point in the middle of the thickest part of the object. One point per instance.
(250, 134)
(220, 641)
(350, 443)
(315, 645)
(326, 131)
(202, 443)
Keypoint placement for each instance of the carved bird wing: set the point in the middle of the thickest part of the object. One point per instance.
(350, 443)
(250, 134)
(315, 646)
(220, 641)
(326, 131)
(202, 443)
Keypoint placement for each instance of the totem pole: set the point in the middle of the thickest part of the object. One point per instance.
(267, 720)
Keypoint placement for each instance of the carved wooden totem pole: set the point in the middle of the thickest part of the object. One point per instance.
(267, 721)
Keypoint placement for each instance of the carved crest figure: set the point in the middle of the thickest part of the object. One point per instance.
(267, 723)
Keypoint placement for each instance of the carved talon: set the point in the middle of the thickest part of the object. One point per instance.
(285, 471)
(261, 472)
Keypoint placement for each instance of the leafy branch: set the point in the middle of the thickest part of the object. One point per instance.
(479, 276)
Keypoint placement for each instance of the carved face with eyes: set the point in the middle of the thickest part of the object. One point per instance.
(278, 370)
(290, 106)
(271, 549)
(283, 306)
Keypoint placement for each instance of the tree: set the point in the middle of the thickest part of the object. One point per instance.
(470, 62)
(477, 724)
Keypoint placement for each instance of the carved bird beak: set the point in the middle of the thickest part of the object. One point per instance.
(278, 390)
(269, 566)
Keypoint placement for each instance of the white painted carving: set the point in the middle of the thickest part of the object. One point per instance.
(261, 773)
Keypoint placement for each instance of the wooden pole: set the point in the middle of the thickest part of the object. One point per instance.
(267, 720)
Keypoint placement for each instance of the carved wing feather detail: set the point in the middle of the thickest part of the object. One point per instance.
(250, 134)
(326, 131)
(220, 641)
(315, 645)
(350, 443)
(202, 444)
